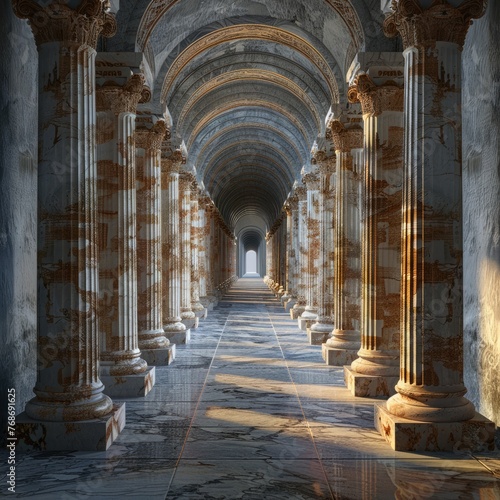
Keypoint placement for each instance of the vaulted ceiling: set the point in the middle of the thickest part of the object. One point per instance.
(248, 85)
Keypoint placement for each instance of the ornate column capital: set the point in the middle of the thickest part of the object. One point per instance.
(122, 99)
(346, 139)
(186, 180)
(173, 163)
(376, 99)
(56, 22)
(301, 193)
(151, 138)
(311, 180)
(441, 22)
(327, 166)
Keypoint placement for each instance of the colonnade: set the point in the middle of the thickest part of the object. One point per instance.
(393, 247)
(131, 250)
(366, 254)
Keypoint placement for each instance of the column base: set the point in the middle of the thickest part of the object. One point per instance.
(189, 323)
(338, 357)
(369, 386)
(475, 435)
(81, 435)
(289, 304)
(317, 337)
(179, 337)
(201, 313)
(296, 311)
(129, 386)
(159, 357)
(305, 323)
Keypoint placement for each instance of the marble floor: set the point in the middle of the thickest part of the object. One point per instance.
(249, 410)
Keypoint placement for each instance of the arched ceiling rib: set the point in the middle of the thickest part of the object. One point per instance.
(248, 84)
(250, 32)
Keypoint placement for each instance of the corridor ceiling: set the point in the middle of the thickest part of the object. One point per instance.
(248, 85)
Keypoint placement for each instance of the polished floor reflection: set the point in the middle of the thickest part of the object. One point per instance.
(249, 410)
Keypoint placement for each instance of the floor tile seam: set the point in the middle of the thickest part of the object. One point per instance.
(489, 469)
(306, 420)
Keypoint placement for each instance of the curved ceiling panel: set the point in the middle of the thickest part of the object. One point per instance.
(248, 31)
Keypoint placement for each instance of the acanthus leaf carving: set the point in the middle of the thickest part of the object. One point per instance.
(56, 22)
(422, 27)
(121, 99)
(376, 99)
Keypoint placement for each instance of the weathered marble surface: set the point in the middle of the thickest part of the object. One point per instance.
(481, 183)
(18, 207)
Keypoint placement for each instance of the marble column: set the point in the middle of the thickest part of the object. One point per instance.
(70, 410)
(288, 299)
(323, 326)
(123, 371)
(196, 248)
(429, 411)
(210, 237)
(310, 178)
(342, 347)
(155, 347)
(174, 329)
(269, 261)
(287, 222)
(300, 251)
(186, 179)
(203, 202)
(380, 91)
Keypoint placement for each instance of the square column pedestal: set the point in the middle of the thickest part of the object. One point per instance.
(179, 337)
(475, 435)
(159, 357)
(84, 435)
(317, 337)
(337, 357)
(129, 386)
(369, 386)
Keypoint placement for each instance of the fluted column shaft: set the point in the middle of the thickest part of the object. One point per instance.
(311, 180)
(171, 308)
(344, 343)
(211, 252)
(202, 252)
(68, 386)
(196, 247)
(185, 182)
(149, 217)
(116, 106)
(300, 251)
(324, 322)
(288, 299)
(382, 107)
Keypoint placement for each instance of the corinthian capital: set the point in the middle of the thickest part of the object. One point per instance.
(376, 99)
(441, 22)
(346, 139)
(56, 22)
(151, 138)
(122, 99)
(173, 163)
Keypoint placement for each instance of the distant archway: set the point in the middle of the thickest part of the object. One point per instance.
(251, 262)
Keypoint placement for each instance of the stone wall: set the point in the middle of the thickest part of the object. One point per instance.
(18, 188)
(481, 162)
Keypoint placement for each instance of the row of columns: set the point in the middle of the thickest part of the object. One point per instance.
(129, 246)
(395, 258)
